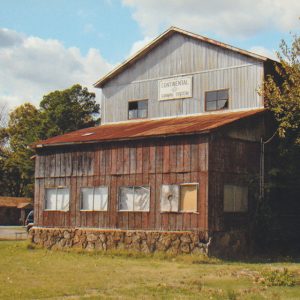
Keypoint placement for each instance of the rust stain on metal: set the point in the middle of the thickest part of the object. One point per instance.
(148, 128)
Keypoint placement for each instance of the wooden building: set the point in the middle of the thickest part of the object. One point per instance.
(177, 155)
(13, 210)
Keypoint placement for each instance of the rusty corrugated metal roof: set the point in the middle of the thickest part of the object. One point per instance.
(148, 128)
(18, 202)
(131, 60)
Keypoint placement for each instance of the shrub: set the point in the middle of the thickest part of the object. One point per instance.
(277, 277)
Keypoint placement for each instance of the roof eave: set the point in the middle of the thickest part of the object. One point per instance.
(40, 146)
(132, 59)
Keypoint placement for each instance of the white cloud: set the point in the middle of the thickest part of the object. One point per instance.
(32, 67)
(138, 45)
(264, 52)
(226, 18)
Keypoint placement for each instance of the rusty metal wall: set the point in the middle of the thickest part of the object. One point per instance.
(212, 68)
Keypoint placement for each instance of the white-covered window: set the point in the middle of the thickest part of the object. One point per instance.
(94, 198)
(235, 198)
(179, 197)
(57, 199)
(134, 198)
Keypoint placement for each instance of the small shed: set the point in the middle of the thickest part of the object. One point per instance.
(13, 210)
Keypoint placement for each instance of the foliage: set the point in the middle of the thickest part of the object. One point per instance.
(68, 110)
(282, 97)
(59, 112)
(282, 93)
(277, 277)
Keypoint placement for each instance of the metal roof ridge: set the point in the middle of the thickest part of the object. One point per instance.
(116, 70)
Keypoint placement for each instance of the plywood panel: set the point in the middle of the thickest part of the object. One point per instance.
(188, 197)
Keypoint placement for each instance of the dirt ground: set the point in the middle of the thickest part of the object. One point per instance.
(13, 233)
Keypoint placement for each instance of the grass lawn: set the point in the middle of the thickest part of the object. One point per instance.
(38, 273)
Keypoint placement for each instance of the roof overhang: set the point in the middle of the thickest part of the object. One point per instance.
(153, 128)
(165, 35)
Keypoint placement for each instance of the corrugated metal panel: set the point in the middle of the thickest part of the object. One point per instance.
(212, 68)
(149, 128)
(163, 37)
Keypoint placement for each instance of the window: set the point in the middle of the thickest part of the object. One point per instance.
(134, 198)
(137, 109)
(57, 199)
(235, 198)
(175, 198)
(94, 198)
(216, 100)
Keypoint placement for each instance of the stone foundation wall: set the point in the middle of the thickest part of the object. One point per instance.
(175, 242)
(233, 244)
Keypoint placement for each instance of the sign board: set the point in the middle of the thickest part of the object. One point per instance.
(175, 88)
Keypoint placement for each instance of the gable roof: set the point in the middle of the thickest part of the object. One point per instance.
(129, 130)
(165, 35)
(18, 202)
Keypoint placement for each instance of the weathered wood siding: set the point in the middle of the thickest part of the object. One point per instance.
(150, 162)
(211, 67)
(231, 161)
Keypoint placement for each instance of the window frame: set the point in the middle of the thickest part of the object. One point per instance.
(180, 200)
(218, 109)
(138, 100)
(234, 200)
(57, 188)
(133, 186)
(93, 187)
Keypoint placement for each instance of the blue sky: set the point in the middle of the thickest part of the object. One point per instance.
(48, 45)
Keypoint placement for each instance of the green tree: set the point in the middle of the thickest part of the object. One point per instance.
(59, 112)
(18, 169)
(68, 110)
(283, 95)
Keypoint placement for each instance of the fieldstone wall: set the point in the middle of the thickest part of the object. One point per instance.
(175, 242)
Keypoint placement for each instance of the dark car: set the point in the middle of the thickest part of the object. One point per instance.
(29, 220)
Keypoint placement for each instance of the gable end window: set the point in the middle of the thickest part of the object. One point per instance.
(235, 198)
(179, 198)
(57, 199)
(216, 100)
(137, 109)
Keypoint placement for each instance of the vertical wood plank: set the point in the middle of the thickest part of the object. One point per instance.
(152, 151)
(126, 161)
(133, 159)
(114, 158)
(173, 157)
(166, 158)
(158, 183)
(139, 159)
(179, 155)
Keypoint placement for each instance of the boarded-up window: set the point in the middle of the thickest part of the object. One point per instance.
(94, 198)
(169, 198)
(235, 198)
(176, 198)
(188, 198)
(134, 198)
(57, 199)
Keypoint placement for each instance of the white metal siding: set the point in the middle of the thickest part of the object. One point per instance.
(212, 68)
